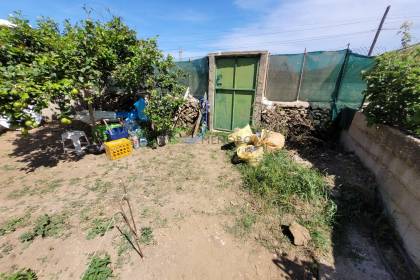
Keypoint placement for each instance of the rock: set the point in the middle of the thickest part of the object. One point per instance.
(300, 234)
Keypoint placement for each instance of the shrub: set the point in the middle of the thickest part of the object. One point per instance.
(162, 109)
(393, 90)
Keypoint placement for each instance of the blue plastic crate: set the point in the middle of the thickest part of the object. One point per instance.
(117, 133)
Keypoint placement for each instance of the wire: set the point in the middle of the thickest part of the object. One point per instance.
(288, 42)
(338, 23)
(262, 34)
(253, 34)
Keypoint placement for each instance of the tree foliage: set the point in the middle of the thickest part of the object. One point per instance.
(405, 34)
(393, 90)
(43, 64)
(29, 68)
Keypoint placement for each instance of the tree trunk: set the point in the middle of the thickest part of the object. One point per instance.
(88, 95)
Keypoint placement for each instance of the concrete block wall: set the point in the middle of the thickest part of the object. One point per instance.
(394, 158)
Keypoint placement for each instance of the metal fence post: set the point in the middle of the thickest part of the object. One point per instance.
(338, 83)
(301, 75)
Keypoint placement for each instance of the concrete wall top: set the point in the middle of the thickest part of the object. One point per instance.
(404, 146)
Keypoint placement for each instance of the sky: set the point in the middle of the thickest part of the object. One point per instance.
(279, 26)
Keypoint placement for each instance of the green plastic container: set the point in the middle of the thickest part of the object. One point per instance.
(100, 131)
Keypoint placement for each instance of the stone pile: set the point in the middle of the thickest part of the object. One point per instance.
(296, 122)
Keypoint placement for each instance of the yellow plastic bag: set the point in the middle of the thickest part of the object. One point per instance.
(272, 141)
(251, 154)
(241, 136)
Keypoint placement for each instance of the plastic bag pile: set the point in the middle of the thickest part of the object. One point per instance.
(251, 147)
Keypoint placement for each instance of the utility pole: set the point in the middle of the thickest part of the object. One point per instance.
(180, 54)
(379, 30)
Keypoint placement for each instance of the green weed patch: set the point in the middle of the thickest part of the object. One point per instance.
(99, 227)
(46, 226)
(98, 269)
(23, 274)
(14, 223)
(295, 190)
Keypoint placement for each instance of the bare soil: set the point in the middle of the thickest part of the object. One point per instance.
(190, 195)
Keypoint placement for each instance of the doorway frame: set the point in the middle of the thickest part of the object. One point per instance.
(260, 81)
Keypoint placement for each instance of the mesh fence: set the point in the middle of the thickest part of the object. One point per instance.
(352, 85)
(320, 75)
(283, 77)
(329, 78)
(196, 75)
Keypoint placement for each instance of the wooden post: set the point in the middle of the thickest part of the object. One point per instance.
(379, 30)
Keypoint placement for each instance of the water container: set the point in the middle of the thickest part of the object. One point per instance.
(143, 142)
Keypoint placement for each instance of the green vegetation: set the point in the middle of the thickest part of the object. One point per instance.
(162, 109)
(41, 187)
(46, 226)
(8, 167)
(27, 236)
(101, 186)
(243, 223)
(25, 190)
(123, 246)
(14, 223)
(146, 235)
(99, 227)
(85, 62)
(393, 90)
(293, 189)
(23, 274)
(98, 269)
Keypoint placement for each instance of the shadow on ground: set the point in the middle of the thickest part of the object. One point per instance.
(41, 148)
(298, 269)
(365, 245)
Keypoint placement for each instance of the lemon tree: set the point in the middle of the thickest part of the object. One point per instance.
(78, 63)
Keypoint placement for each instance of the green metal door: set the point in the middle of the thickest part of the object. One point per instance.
(235, 91)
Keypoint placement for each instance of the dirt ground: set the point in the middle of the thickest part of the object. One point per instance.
(189, 195)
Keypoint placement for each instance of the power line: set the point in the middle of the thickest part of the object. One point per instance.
(277, 43)
(250, 35)
(272, 33)
(297, 40)
(337, 24)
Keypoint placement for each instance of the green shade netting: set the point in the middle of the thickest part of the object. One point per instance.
(196, 75)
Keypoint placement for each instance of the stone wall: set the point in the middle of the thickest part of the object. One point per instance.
(394, 158)
(296, 122)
